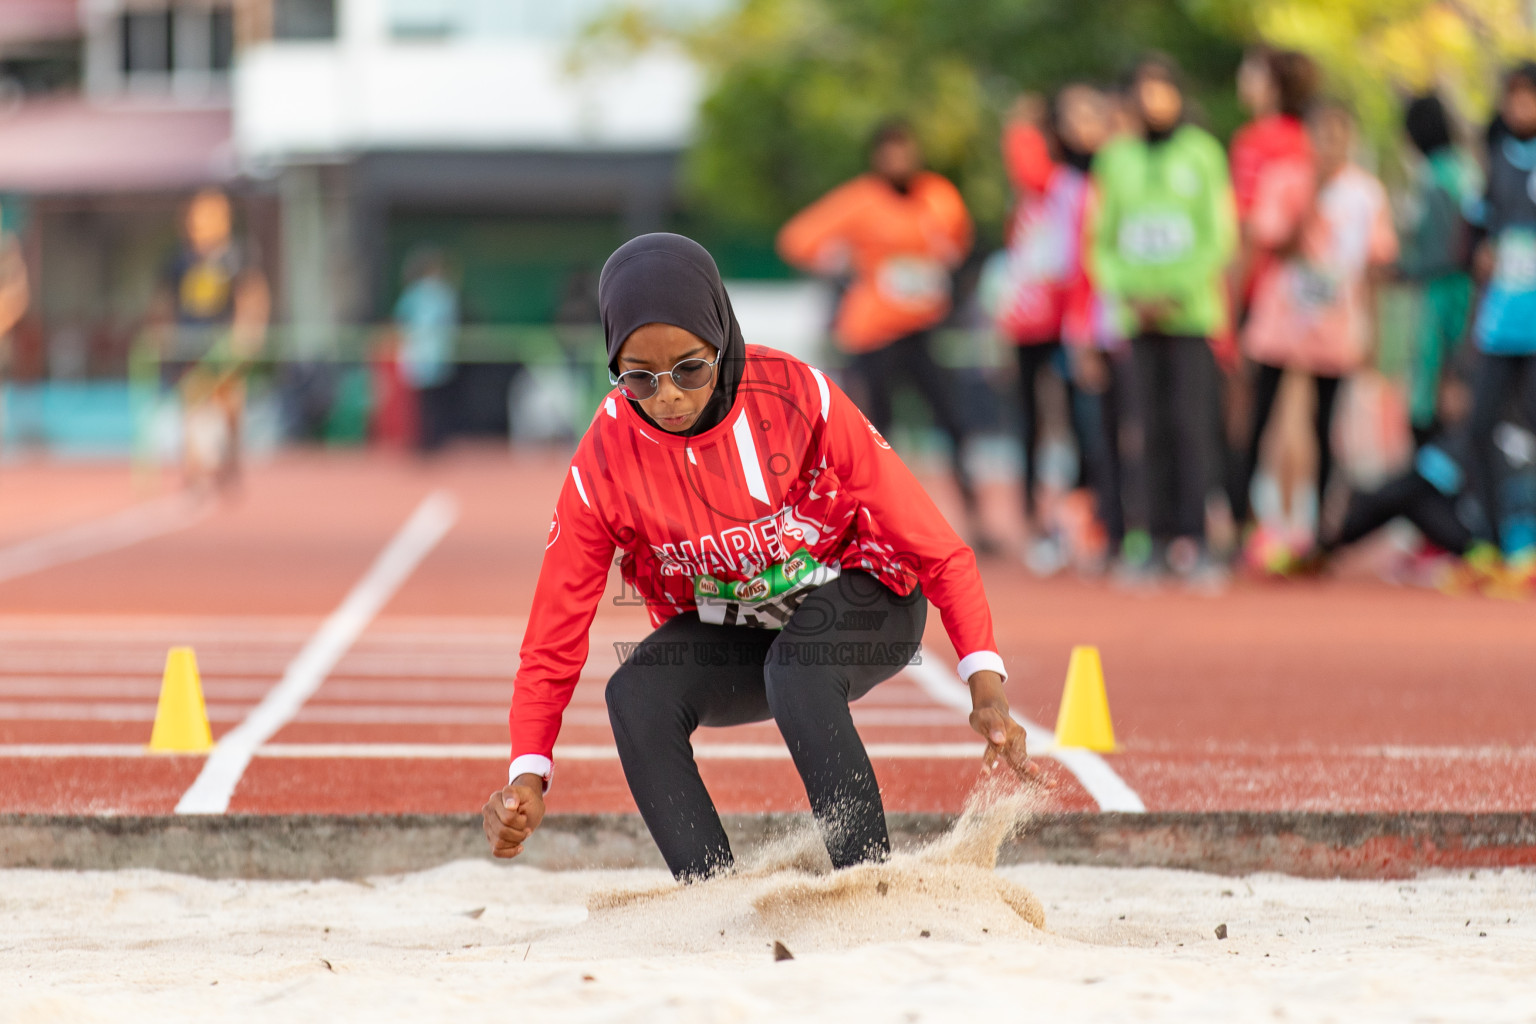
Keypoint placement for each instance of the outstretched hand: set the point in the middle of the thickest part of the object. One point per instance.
(512, 813)
(1005, 737)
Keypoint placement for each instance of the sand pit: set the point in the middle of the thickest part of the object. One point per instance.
(937, 935)
(787, 892)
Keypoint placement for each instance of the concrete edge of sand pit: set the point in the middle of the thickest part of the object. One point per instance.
(328, 846)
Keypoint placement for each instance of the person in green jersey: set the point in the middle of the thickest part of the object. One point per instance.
(1160, 240)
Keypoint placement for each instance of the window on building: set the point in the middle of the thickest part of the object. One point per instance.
(195, 38)
(303, 19)
(222, 38)
(147, 44)
(424, 19)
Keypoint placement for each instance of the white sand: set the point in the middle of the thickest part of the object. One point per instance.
(1119, 945)
(937, 934)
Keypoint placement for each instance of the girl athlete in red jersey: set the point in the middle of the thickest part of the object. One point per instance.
(786, 556)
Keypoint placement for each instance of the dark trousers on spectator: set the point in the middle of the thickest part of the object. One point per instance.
(1498, 379)
(1033, 359)
(1176, 381)
(1100, 437)
(1095, 423)
(874, 376)
(434, 409)
(1266, 388)
(1415, 499)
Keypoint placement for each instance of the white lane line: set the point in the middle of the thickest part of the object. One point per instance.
(224, 705)
(104, 711)
(66, 688)
(598, 752)
(98, 536)
(488, 751)
(718, 751)
(36, 750)
(381, 666)
(221, 773)
(1108, 789)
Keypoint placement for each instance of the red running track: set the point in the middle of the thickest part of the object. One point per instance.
(1340, 695)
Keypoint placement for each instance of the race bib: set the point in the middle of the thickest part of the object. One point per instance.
(1515, 267)
(1044, 254)
(1313, 287)
(766, 600)
(1157, 237)
(205, 288)
(913, 281)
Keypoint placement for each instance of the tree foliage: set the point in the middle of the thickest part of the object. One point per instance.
(797, 86)
(1374, 52)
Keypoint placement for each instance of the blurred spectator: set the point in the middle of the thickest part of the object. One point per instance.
(577, 316)
(1428, 494)
(1328, 226)
(1505, 331)
(1437, 253)
(212, 311)
(15, 296)
(901, 231)
(427, 313)
(1277, 87)
(1048, 152)
(1161, 238)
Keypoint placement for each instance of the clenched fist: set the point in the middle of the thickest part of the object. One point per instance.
(512, 813)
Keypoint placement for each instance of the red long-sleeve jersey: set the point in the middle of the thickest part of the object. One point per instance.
(793, 470)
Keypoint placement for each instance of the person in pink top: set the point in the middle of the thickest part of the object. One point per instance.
(1277, 87)
(1329, 228)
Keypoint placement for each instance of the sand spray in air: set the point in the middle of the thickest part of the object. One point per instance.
(945, 889)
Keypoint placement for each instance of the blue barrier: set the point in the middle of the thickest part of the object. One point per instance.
(82, 418)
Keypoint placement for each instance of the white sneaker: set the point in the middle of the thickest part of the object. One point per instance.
(1045, 556)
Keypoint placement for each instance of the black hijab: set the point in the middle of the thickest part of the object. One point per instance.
(668, 279)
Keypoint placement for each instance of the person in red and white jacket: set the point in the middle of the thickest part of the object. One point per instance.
(1049, 312)
(784, 551)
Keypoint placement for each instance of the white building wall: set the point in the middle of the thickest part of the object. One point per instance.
(368, 90)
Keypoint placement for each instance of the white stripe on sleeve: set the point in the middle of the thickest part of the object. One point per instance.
(746, 448)
(826, 396)
(576, 476)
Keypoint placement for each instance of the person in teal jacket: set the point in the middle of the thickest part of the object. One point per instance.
(1436, 254)
(1162, 236)
(1505, 329)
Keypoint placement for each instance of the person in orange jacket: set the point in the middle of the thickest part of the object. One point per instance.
(899, 231)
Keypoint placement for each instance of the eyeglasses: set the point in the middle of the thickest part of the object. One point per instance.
(690, 375)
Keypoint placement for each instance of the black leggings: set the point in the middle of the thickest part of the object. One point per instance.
(874, 376)
(1266, 388)
(435, 407)
(1415, 499)
(1095, 423)
(1498, 379)
(1033, 359)
(1176, 382)
(846, 636)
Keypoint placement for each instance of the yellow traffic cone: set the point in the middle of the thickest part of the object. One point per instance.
(181, 720)
(1084, 717)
